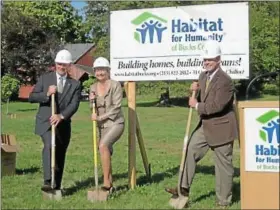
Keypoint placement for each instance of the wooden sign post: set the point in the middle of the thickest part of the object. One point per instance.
(131, 98)
(259, 155)
(133, 132)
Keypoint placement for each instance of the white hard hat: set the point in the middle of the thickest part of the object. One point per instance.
(63, 56)
(101, 62)
(211, 50)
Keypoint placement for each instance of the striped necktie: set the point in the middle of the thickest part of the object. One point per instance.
(60, 85)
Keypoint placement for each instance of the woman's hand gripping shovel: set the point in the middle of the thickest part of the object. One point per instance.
(180, 201)
(96, 194)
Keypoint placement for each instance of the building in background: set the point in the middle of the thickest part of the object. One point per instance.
(82, 54)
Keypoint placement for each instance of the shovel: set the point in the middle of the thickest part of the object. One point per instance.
(95, 194)
(52, 194)
(53, 145)
(180, 201)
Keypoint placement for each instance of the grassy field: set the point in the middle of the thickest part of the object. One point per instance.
(163, 131)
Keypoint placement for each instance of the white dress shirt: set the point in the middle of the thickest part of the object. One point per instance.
(63, 81)
(58, 78)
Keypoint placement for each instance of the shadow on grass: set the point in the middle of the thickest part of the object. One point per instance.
(144, 104)
(211, 170)
(89, 182)
(235, 192)
(24, 171)
(158, 177)
(178, 101)
(78, 186)
(203, 197)
(155, 178)
(26, 110)
(145, 180)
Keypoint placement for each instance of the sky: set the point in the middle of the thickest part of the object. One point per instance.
(78, 5)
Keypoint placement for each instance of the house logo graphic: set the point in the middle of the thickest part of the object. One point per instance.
(269, 131)
(149, 28)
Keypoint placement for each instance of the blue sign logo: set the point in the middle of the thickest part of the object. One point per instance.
(149, 28)
(270, 126)
(269, 133)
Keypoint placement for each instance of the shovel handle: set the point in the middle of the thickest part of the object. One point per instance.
(94, 144)
(189, 117)
(185, 147)
(53, 144)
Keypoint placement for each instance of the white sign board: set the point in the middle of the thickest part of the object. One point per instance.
(262, 138)
(167, 43)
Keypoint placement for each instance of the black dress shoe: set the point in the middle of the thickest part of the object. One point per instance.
(57, 187)
(222, 205)
(174, 191)
(110, 189)
(46, 188)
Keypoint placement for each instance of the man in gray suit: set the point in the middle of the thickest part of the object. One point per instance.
(67, 98)
(217, 127)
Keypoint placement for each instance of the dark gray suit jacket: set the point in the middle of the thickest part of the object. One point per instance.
(67, 105)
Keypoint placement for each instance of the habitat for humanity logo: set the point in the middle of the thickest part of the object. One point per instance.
(149, 28)
(270, 127)
(269, 133)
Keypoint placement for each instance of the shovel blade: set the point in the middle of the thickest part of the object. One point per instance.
(52, 195)
(178, 202)
(97, 195)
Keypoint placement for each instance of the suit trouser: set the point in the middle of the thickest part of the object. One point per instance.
(62, 142)
(224, 170)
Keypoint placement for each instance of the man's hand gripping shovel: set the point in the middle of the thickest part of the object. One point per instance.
(179, 201)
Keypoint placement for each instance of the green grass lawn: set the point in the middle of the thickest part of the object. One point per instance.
(163, 131)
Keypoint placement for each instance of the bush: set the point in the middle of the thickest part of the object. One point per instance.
(88, 83)
(270, 89)
(9, 86)
(176, 88)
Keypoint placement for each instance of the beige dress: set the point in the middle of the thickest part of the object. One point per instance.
(111, 123)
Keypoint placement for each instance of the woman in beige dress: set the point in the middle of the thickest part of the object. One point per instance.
(110, 120)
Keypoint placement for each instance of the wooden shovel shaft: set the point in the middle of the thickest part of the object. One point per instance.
(185, 147)
(94, 146)
(53, 144)
(189, 117)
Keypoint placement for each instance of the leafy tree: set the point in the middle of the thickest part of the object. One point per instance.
(25, 45)
(57, 17)
(9, 86)
(32, 32)
(264, 47)
(264, 38)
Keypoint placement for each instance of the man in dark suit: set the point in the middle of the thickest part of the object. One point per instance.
(217, 127)
(67, 98)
